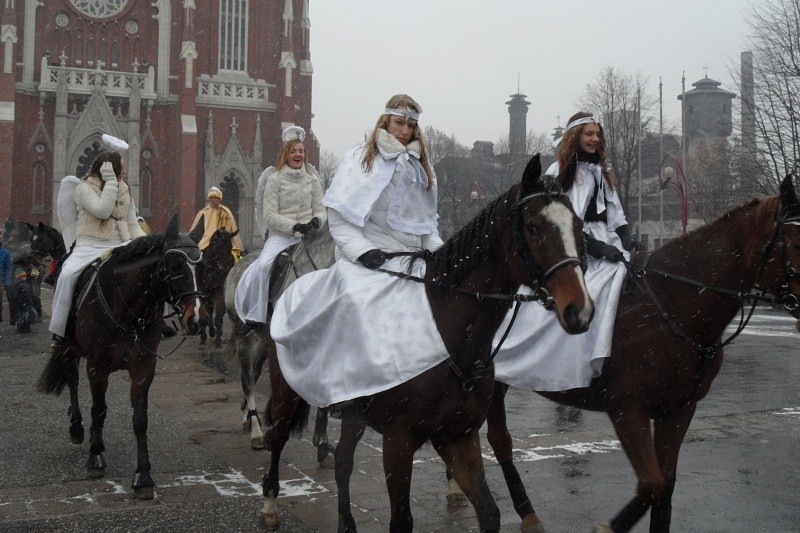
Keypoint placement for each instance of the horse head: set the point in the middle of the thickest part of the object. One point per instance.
(219, 250)
(549, 241)
(788, 242)
(181, 256)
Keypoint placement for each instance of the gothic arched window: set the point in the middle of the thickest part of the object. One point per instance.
(233, 21)
(146, 192)
(231, 193)
(38, 182)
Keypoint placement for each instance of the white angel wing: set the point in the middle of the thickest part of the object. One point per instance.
(67, 209)
(259, 199)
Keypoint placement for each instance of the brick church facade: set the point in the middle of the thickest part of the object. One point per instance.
(200, 89)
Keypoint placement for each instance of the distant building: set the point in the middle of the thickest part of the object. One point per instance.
(200, 90)
(707, 112)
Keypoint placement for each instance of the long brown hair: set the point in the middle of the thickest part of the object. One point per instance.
(568, 148)
(286, 149)
(398, 101)
(108, 155)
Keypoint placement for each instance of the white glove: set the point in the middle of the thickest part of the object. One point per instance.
(107, 171)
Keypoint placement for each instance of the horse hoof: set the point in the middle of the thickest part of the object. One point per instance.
(457, 500)
(271, 521)
(218, 343)
(603, 528)
(257, 443)
(144, 493)
(532, 524)
(95, 473)
(328, 462)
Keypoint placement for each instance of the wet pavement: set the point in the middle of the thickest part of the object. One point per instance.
(737, 470)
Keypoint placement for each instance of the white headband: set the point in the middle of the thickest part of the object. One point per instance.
(408, 113)
(293, 132)
(114, 143)
(575, 123)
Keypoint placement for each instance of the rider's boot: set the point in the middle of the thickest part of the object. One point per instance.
(59, 345)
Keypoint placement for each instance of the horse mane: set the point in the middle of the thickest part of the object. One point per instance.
(137, 248)
(465, 250)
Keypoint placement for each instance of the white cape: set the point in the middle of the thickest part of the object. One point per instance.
(346, 331)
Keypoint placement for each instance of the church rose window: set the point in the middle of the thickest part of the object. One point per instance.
(99, 8)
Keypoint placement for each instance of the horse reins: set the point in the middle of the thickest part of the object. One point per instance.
(141, 323)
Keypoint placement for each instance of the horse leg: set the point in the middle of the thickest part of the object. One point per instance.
(219, 315)
(76, 432)
(500, 440)
(669, 434)
(633, 429)
(98, 383)
(320, 440)
(142, 371)
(398, 456)
(464, 461)
(345, 451)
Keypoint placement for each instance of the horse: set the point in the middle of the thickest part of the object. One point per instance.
(667, 346)
(46, 241)
(120, 315)
(315, 251)
(528, 235)
(212, 271)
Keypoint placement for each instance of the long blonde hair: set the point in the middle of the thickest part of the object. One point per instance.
(398, 101)
(568, 148)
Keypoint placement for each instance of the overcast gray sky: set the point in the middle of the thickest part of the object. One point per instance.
(460, 58)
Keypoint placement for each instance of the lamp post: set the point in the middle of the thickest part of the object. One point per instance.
(669, 176)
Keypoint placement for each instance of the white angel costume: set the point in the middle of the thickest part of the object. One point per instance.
(287, 197)
(97, 217)
(538, 354)
(347, 331)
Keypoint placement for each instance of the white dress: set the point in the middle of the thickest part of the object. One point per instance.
(347, 331)
(538, 354)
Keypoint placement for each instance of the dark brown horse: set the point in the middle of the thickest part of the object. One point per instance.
(47, 241)
(213, 269)
(529, 235)
(667, 345)
(120, 329)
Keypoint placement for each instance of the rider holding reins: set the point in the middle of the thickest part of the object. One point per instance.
(292, 207)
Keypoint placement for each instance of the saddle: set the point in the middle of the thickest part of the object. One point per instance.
(85, 282)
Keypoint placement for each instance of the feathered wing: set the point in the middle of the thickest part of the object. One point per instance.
(67, 209)
(259, 199)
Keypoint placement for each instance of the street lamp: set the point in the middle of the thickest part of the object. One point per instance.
(675, 178)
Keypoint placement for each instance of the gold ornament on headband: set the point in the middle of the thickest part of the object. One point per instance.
(293, 132)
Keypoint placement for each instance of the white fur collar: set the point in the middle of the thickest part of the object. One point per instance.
(294, 173)
(390, 147)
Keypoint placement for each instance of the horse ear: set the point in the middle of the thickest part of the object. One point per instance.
(569, 171)
(533, 170)
(172, 227)
(31, 226)
(235, 233)
(197, 233)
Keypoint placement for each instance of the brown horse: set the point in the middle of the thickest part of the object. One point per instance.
(213, 269)
(120, 328)
(529, 235)
(667, 345)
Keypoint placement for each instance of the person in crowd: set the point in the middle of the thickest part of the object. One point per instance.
(26, 260)
(8, 228)
(343, 332)
(292, 207)
(106, 218)
(6, 275)
(23, 310)
(217, 216)
(538, 354)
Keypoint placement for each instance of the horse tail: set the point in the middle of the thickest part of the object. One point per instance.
(299, 417)
(55, 375)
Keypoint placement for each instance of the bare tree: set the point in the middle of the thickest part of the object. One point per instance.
(441, 145)
(328, 163)
(775, 106)
(618, 100)
(535, 143)
(712, 187)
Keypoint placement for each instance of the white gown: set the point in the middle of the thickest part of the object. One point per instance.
(538, 354)
(252, 291)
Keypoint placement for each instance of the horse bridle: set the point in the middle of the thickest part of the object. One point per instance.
(172, 300)
(789, 300)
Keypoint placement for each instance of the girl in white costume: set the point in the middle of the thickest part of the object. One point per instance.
(538, 354)
(292, 206)
(350, 331)
(106, 217)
